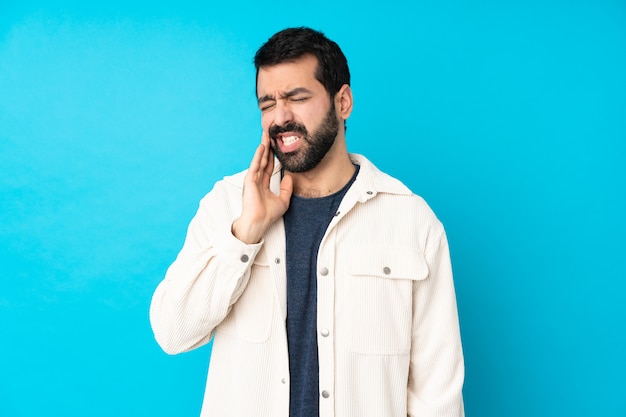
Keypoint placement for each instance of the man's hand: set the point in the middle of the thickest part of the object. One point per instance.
(261, 207)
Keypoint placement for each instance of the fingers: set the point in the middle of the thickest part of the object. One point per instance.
(265, 139)
(255, 164)
(262, 156)
(267, 165)
(268, 155)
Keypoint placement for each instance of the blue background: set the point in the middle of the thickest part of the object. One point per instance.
(509, 117)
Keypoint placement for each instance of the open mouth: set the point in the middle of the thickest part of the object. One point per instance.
(289, 142)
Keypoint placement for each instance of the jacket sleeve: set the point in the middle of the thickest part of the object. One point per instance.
(436, 370)
(206, 279)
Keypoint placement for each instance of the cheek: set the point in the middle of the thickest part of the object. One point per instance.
(266, 122)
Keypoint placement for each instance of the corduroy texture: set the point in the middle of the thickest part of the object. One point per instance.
(385, 297)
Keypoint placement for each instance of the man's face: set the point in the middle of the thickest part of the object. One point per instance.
(297, 113)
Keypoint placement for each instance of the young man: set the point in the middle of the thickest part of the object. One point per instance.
(324, 283)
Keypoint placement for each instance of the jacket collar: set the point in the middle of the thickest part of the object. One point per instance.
(372, 181)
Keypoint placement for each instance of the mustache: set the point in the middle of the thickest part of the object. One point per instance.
(274, 131)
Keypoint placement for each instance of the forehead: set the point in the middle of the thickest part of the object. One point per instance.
(288, 75)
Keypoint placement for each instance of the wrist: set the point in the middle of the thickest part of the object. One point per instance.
(246, 232)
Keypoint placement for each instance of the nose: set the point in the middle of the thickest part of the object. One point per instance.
(282, 113)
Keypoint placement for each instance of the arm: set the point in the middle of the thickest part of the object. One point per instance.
(202, 284)
(212, 269)
(436, 371)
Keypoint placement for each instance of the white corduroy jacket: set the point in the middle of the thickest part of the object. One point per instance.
(388, 334)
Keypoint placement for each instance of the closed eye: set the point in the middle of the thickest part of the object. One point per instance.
(266, 107)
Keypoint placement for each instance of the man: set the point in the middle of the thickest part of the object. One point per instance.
(324, 284)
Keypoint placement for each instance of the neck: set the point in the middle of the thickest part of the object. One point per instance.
(328, 177)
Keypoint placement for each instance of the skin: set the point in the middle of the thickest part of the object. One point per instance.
(289, 92)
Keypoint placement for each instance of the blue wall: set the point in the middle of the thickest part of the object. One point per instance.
(509, 117)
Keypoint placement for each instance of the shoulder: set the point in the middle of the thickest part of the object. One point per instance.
(234, 180)
(394, 194)
(227, 189)
(372, 177)
(382, 183)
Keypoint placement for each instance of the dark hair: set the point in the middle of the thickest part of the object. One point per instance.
(291, 44)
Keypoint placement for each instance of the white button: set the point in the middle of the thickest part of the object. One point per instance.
(324, 271)
(325, 394)
(325, 332)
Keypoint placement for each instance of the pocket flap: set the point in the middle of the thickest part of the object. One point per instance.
(393, 262)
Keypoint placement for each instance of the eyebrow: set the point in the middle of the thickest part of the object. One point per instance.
(290, 93)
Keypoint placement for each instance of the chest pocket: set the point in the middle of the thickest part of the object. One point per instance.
(380, 293)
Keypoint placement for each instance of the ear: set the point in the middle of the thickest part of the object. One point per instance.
(343, 101)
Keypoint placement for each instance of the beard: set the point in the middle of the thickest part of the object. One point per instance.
(313, 148)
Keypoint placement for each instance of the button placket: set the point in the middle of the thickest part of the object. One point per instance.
(326, 299)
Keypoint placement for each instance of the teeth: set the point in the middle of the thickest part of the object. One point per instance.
(288, 140)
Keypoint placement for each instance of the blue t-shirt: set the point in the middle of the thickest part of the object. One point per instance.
(306, 222)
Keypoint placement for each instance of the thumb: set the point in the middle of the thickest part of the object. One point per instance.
(286, 189)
